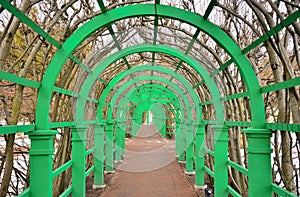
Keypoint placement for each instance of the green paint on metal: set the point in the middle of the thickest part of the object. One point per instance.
(99, 155)
(144, 78)
(189, 146)
(117, 14)
(126, 73)
(94, 75)
(200, 153)
(282, 192)
(62, 168)
(66, 92)
(233, 192)
(103, 81)
(79, 160)
(235, 96)
(41, 156)
(110, 145)
(220, 161)
(102, 6)
(10, 129)
(209, 8)
(19, 80)
(259, 160)
(180, 143)
(199, 84)
(286, 22)
(238, 167)
(22, 17)
(281, 85)
(175, 102)
(42, 140)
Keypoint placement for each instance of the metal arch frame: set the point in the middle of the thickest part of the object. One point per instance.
(99, 164)
(157, 87)
(160, 115)
(251, 82)
(135, 92)
(122, 111)
(174, 100)
(157, 48)
(146, 68)
(189, 118)
(273, 31)
(153, 78)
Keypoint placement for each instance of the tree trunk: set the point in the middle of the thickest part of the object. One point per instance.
(9, 149)
(8, 39)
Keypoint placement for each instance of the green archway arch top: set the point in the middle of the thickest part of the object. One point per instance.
(139, 69)
(256, 101)
(157, 88)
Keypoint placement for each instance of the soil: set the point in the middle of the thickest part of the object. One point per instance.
(149, 168)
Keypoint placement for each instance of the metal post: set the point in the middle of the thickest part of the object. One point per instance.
(189, 139)
(177, 149)
(199, 163)
(181, 142)
(259, 162)
(41, 162)
(110, 146)
(99, 156)
(221, 159)
(163, 130)
(124, 130)
(78, 160)
(119, 138)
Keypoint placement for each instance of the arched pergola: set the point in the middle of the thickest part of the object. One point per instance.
(148, 85)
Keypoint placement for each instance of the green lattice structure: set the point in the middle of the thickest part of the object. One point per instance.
(126, 105)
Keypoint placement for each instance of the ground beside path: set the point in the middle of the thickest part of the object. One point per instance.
(149, 169)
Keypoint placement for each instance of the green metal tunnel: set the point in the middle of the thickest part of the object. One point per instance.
(176, 106)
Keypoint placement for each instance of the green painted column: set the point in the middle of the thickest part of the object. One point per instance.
(148, 118)
(110, 146)
(259, 162)
(181, 142)
(135, 126)
(163, 130)
(221, 159)
(99, 156)
(78, 160)
(119, 139)
(200, 152)
(123, 129)
(41, 162)
(189, 145)
(177, 141)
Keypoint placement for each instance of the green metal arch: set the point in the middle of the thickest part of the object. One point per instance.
(141, 108)
(161, 92)
(166, 105)
(158, 88)
(143, 68)
(153, 48)
(113, 101)
(256, 101)
(128, 84)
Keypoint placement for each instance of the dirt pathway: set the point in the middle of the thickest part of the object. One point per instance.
(149, 169)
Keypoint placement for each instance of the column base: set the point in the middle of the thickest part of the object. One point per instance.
(200, 187)
(118, 161)
(109, 172)
(189, 173)
(99, 186)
